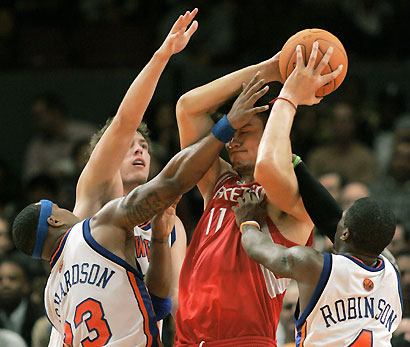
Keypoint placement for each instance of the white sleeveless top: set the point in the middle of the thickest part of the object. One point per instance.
(93, 296)
(353, 305)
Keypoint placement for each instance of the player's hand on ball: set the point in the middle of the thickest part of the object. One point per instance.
(304, 81)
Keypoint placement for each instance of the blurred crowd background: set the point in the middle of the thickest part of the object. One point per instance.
(65, 66)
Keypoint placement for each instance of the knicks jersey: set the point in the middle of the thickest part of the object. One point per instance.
(353, 305)
(223, 294)
(95, 298)
(142, 235)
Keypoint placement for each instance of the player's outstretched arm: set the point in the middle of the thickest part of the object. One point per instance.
(274, 169)
(195, 107)
(300, 263)
(101, 174)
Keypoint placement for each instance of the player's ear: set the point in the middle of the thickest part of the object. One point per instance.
(54, 221)
(345, 234)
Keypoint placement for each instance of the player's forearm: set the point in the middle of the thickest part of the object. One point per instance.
(273, 169)
(159, 275)
(140, 92)
(261, 249)
(195, 107)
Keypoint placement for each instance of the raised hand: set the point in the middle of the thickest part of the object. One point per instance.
(180, 34)
(302, 84)
(243, 108)
(250, 207)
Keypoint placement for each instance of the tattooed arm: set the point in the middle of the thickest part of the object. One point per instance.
(180, 175)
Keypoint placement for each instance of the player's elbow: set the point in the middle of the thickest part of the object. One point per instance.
(182, 107)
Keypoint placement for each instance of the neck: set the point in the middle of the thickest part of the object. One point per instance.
(51, 245)
(366, 259)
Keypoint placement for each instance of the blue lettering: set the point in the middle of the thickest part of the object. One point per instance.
(358, 307)
(342, 310)
(381, 301)
(104, 278)
(327, 315)
(75, 276)
(67, 280)
(62, 292)
(58, 301)
(84, 272)
(97, 267)
(385, 313)
(391, 320)
(368, 307)
(351, 306)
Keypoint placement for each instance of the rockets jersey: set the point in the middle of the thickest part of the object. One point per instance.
(95, 298)
(353, 305)
(223, 294)
(142, 235)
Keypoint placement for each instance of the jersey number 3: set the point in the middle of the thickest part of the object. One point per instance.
(365, 339)
(90, 312)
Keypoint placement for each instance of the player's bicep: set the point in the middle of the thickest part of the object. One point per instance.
(107, 156)
(191, 127)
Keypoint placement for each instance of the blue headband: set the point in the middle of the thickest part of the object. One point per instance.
(42, 228)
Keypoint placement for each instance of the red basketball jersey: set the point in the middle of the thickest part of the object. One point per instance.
(223, 294)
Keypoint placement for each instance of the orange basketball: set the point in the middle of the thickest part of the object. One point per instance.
(305, 39)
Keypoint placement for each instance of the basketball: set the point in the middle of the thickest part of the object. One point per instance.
(305, 39)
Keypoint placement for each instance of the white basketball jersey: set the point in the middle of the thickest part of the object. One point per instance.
(142, 235)
(353, 305)
(94, 298)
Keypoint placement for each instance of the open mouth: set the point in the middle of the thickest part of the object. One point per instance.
(138, 162)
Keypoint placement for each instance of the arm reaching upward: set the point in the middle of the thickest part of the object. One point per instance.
(100, 180)
(274, 169)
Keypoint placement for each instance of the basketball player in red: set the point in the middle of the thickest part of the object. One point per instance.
(225, 298)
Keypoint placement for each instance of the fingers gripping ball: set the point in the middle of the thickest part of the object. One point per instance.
(305, 39)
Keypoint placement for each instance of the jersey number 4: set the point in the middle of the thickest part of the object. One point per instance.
(365, 339)
(91, 312)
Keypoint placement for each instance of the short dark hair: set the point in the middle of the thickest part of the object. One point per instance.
(25, 227)
(371, 225)
(142, 129)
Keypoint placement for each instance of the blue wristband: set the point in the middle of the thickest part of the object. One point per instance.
(222, 130)
(162, 306)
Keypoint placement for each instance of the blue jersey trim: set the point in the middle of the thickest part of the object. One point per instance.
(147, 226)
(105, 252)
(153, 327)
(398, 282)
(364, 266)
(324, 278)
(60, 248)
(173, 235)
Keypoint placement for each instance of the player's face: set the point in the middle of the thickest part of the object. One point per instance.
(135, 166)
(243, 148)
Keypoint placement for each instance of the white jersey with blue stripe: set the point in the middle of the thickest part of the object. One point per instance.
(93, 297)
(353, 305)
(142, 235)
